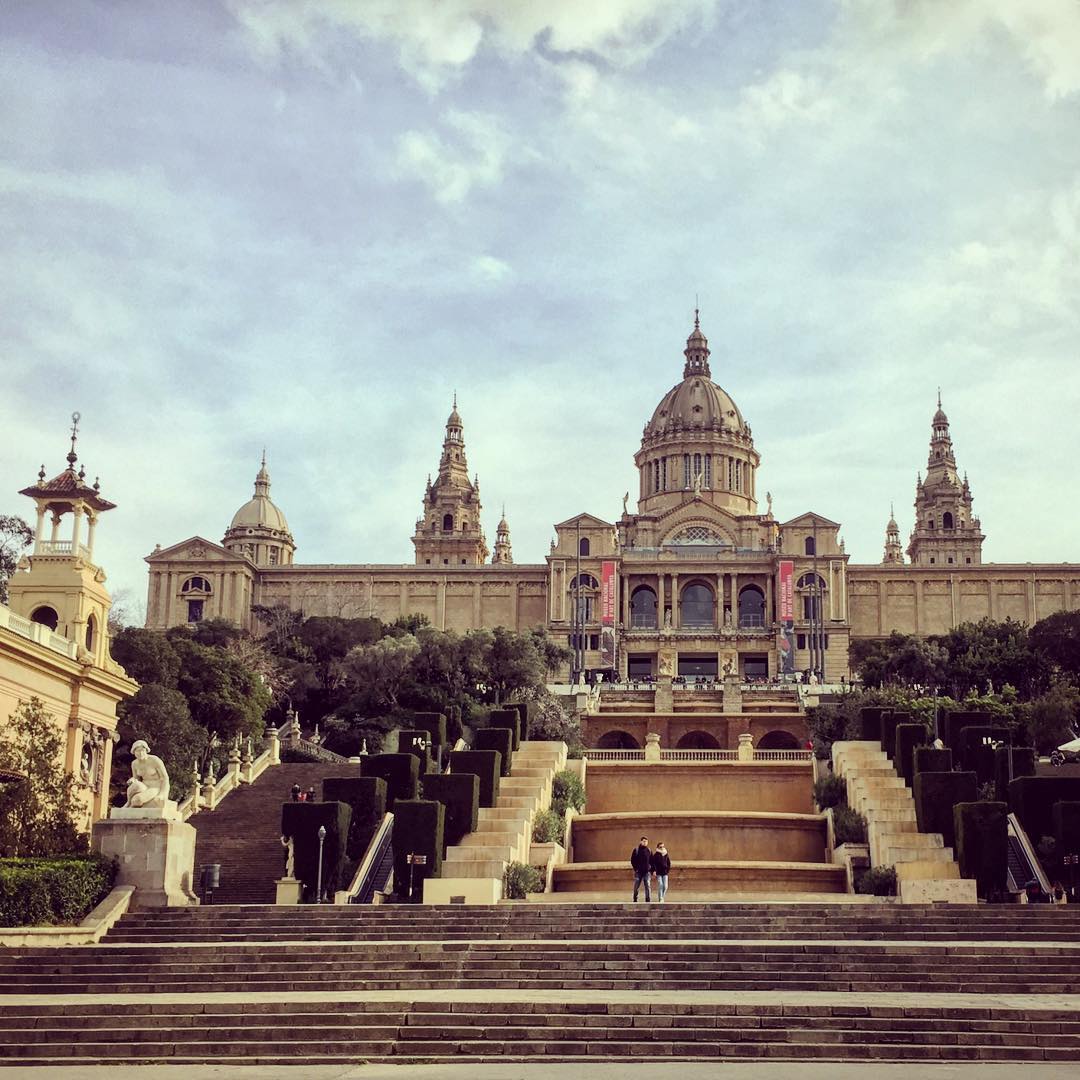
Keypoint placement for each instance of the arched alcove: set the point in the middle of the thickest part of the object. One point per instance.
(778, 739)
(697, 740)
(617, 740)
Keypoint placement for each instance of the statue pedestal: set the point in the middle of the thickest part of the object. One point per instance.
(289, 890)
(156, 853)
(732, 694)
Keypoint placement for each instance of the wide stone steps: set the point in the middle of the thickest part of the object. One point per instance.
(322, 1032)
(620, 921)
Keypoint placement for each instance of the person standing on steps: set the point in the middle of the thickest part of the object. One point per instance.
(641, 861)
(661, 867)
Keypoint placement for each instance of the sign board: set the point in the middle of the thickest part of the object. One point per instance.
(608, 590)
(785, 592)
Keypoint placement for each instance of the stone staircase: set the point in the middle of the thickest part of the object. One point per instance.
(925, 869)
(504, 831)
(243, 834)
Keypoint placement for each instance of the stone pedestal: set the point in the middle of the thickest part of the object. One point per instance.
(289, 890)
(156, 853)
(746, 747)
(652, 747)
(732, 694)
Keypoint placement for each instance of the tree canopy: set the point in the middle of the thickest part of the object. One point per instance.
(15, 537)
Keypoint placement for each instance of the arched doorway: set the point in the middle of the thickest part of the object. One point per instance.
(697, 740)
(643, 608)
(696, 607)
(751, 606)
(778, 740)
(46, 616)
(617, 740)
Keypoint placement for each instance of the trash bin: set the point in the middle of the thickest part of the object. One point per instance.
(211, 880)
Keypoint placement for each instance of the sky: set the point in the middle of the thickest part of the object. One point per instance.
(304, 224)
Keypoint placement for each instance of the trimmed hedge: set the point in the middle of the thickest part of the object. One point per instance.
(460, 795)
(366, 798)
(499, 739)
(890, 721)
(301, 821)
(1067, 827)
(929, 759)
(486, 765)
(400, 771)
(506, 718)
(58, 890)
(1023, 764)
(434, 723)
(870, 723)
(453, 724)
(418, 830)
(935, 796)
(955, 722)
(418, 743)
(1032, 799)
(982, 844)
(523, 712)
(908, 737)
(977, 749)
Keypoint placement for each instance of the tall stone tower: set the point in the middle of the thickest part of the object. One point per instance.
(449, 533)
(504, 554)
(894, 553)
(946, 531)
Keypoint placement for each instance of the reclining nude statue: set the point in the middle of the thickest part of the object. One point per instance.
(149, 783)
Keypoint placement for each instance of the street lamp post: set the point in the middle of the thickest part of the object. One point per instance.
(318, 879)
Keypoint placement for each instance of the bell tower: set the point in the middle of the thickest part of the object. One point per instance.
(894, 553)
(504, 554)
(449, 533)
(59, 585)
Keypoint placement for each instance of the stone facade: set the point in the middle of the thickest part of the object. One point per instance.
(695, 563)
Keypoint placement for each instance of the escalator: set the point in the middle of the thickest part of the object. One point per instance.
(1024, 865)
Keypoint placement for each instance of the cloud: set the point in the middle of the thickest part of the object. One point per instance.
(470, 154)
(488, 270)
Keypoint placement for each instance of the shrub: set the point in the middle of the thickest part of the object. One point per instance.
(460, 795)
(366, 798)
(982, 845)
(955, 722)
(524, 713)
(509, 719)
(434, 724)
(418, 830)
(1032, 799)
(552, 720)
(500, 740)
(870, 723)
(416, 742)
(58, 890)
(1067, 827)
(1023, 764)
(977, 749)
(890, 720)
(849, 826)
(908, 737)
(930, 759)
(521, 879)
(567, 789)
(877, 881)
(548, 827)
(935, 796)
(830, 791)
(484, 764)
(301, 821)
(400, 771)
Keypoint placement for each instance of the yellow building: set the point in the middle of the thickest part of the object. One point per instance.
(54, 635)
(697, 578)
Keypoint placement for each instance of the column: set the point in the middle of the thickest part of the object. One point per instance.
(39, 532)
(91, 526)
(719, 601)
(477, 608)
(734, 598)
(76, 529)
(624, 587)
(513, 586)
(440, 604)
(675, 622)
(769, 614)
(55, 529)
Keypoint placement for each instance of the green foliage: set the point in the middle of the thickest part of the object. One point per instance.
(1032, 799)
(514, 661)
(977, 749)
(40, 814)
(400, 771)
(485, 764)
(366, 798)
(417, 743)
(418, 829)
(901, 659)
(930, 759)
(982, 845)
(15, 537)
(498, 739)
(908, 738)
(549, 826)
(1053, 717)
(1057, 640)
(147, 656)
(383, 667)
(849, 826)
(460, 795)
(830, 791)
(552, 720)
(877, 881)
(567, 790)
(53, 891)
(161, 716)
(434, 724)
(301, 821)
(1022, 764)
(935, 796)
(509, 719)
(520, 879)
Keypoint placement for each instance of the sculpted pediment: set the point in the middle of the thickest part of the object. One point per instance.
(587, 521)
(809, 520)
(197, 549)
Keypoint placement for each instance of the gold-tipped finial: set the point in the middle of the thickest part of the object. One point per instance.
(72, 456)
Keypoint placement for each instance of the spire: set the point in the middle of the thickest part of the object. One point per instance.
(262, 479)
(696, 351)
(894, 553)
(503, 554)
(72, 456)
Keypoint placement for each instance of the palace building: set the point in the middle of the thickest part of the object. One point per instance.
(696, 579)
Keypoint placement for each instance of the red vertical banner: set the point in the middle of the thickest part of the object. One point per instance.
(608, 600)
(785, 614)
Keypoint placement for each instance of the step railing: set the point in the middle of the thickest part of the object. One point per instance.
(361, 889)
(1021, 847)
(796, 756)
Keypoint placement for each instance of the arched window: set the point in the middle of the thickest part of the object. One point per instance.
(586, 581)
(696, 609)
(812, 597)
(448, 523)
(196, 585)
(643, 608)
(946, 520)
(583, 546)
(91, 627)
(585, 588)
(751, 606)
(46, 616)
(809, 546)
(688, 478)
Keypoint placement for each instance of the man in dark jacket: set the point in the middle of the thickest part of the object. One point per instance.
(641, 861)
